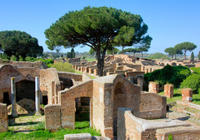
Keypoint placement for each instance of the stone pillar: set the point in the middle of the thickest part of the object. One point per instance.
(37, 96)
(186, 94)
(53, 91)
(52, 117)
(153, 87)
(140, 82)
(13, 97)
(169, 90)
(95, 72)
(3, 118)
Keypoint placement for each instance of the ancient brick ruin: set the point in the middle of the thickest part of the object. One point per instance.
(116, 104)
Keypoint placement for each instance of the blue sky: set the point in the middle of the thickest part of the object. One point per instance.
(169, 21)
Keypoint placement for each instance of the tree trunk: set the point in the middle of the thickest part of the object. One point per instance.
(185, 55)
(175, 56)
(100, 55)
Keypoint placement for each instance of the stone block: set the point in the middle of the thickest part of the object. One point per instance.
(52, 117)
(169, 90)
(153, 87)
(179, 133)
(83, 136)
(3, 118)
(186, 94)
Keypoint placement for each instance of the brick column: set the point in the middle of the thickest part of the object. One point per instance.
(37, 96)
(3, 118)
(169, 90)
(140, 82)
(153, 87)
(186, 94)
(52, 117)
(13, 97)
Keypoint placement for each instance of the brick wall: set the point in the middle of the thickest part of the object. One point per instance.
(3, 118)
(68, 97)
(52, 117)
(152, 106)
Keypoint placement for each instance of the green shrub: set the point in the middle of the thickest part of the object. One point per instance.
(13, 58)
(158, 56)
(169, 74)
(4, 56)
(21, 58)
(67, 67)
(48, 62)
(31, 59)
(193, 82)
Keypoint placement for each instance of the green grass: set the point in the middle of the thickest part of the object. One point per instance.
(178, 96)
(196, 70)
(42, 134)
(67, 67)
(90, 59)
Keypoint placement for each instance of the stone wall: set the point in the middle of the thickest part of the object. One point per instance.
(83, 136)
(52, 117)
(179, 133)
(3, 118)
(68, 97)
(98, 106)
(127, 128)
(20, 74)
(46, 78)
(131, 127)
(153, 87)
(69, 75)
(152, 106)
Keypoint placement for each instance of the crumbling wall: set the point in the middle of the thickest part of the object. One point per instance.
(7, 71)
(69, 75)
(46, 78)
(98, 106)
(127, 128)
(3, 118)
(152, 106)
(52, 117)
(179, 133)
(68, 97)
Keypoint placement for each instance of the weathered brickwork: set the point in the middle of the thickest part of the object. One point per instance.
(133, 128)
(179, 133)
(152, 106)
(169, 90)
(68, 102)
(153, 87)
(52, 117)
(186, 94)
(3, 118)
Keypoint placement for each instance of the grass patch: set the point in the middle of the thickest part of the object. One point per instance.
(66, 67)
(90, 59)
(42, 134)
(196, 70)
(178, 96)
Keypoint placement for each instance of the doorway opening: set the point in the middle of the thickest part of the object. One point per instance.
(6, 98)
(82, 109)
